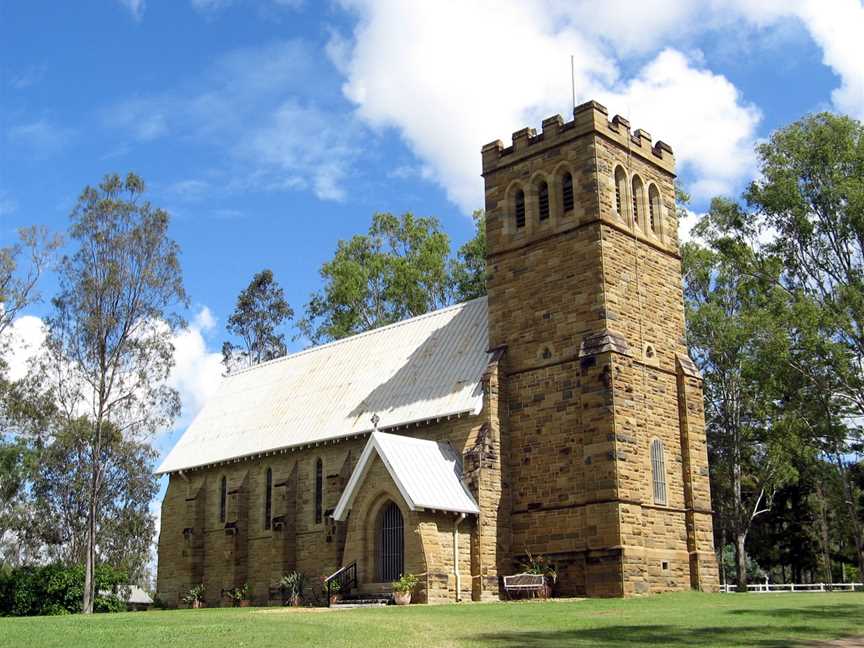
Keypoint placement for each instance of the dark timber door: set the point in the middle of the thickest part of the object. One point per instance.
(391, 544)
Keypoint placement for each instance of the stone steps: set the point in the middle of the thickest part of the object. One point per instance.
(363, 600)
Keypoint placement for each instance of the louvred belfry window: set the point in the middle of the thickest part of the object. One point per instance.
(567, 192)
(543, 200)
(520, 208)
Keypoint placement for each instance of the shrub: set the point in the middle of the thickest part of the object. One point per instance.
(58, 589)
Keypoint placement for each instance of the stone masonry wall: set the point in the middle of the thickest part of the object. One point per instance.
(589, 307)
(260, 556)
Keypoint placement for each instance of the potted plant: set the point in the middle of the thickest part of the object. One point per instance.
(334, 591)
(194, 598)
(294, 584)
(541, 565)
(403, 587)
(240, 595)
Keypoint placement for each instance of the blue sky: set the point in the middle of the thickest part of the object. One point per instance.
(271, 129)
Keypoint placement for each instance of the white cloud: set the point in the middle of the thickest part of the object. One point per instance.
(246, 106)
(41, 138)
(135, 7)
(507, 65)
(838, 28)
(8, 205)
(712, 129)
(24, 339)
(197, 370)
(494, 72)
(28, 77)
(213, 6)
(302, 143)
(504, 65)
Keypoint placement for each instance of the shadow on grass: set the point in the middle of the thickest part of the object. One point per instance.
(837, 613)
(627, 636)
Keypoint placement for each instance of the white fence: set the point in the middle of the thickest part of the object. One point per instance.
(797, 587)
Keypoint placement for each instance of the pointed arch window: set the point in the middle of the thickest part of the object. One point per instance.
(391, 544)
(223, 498)
(620, 190)
(319, 491)
(654, 208)
(567, 192)
(543, 200)
(658, 472)
(268, 500)
(637, 191)
(520, 208)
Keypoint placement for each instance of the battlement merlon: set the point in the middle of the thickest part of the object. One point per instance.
(587, 118)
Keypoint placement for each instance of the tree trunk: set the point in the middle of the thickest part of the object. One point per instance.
(823, 534)
(90, 554)
(740, 561)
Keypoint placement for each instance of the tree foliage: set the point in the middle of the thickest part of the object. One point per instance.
(401, 268)
(792, 258)
(468, 270)
(260, 312)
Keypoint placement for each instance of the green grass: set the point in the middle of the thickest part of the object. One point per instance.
(674, 620)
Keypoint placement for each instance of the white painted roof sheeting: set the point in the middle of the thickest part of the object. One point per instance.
(428, 474)
(416, 370)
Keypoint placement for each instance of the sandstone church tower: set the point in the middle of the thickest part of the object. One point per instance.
(608, 466)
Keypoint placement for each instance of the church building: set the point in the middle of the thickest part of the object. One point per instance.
(560, 415)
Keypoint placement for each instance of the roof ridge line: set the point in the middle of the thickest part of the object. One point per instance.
(352, 337)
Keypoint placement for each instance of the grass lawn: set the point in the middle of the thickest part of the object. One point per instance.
(687, 619)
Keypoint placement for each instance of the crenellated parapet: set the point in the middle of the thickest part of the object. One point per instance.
(589, 117)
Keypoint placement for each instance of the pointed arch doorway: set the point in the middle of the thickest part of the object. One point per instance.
(391, 543)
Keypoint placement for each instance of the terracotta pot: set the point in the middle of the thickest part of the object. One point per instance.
(245, 602)
(295, 601)
(335, 598)
(402, 598)
(195, 605)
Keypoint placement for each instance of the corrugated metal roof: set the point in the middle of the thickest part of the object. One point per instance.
(428, 474)
(416, 370)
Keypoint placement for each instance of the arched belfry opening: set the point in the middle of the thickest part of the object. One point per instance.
(391, 543)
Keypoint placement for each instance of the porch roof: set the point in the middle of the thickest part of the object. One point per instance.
(427, 473)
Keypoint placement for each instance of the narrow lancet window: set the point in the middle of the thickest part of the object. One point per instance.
(567, 192)
(223, 498)
(543, 200)
(637, 191)
(319, 491)
(658, 472)
(520, 208)
(620, 190)
(268, 500)
(654, 208)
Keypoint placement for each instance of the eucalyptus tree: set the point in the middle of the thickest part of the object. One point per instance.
(109, 335)
(260, 312)
(810, 200)
(398, 269)
(733, 331)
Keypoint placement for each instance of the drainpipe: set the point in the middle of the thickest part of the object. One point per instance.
(456, 556)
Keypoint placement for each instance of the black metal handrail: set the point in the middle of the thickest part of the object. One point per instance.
(346, 577)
